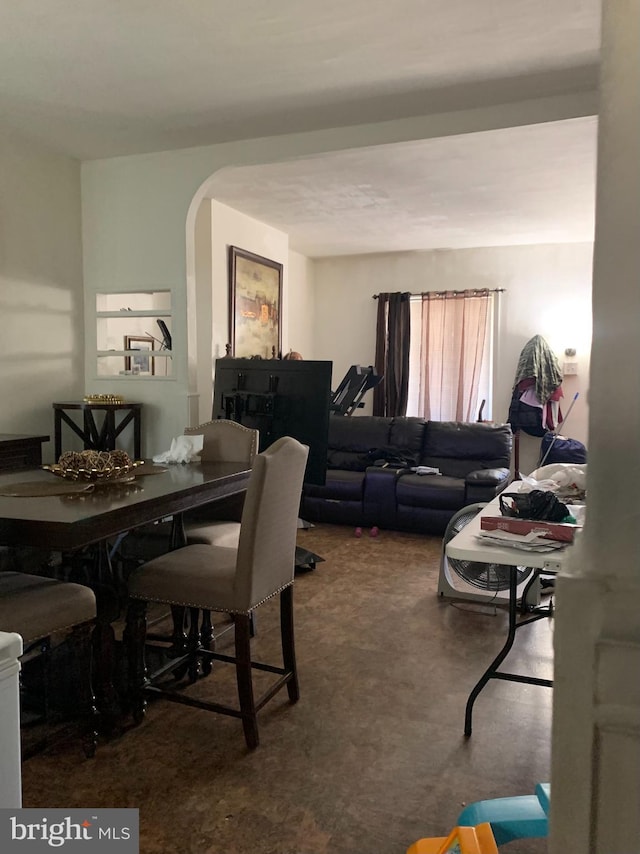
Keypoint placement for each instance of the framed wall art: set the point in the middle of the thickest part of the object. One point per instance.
(255, 297)
(141, 362)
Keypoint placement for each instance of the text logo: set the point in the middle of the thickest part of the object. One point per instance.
(32, 831)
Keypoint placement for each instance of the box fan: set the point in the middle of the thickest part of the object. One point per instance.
(476, 581)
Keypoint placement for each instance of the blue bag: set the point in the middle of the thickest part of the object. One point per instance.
(563, 450)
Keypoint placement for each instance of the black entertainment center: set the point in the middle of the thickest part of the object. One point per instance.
(278, 397)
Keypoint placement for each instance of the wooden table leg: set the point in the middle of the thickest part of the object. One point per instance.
(110, 430)
(57, 433)
(137, 442)
(104, 641)
(177, 540)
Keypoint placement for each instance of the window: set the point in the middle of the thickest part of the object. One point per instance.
(451, 356)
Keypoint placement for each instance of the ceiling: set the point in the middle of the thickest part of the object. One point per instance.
(95, 79)
(533, 184)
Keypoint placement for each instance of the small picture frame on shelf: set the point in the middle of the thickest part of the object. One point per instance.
(140, 363)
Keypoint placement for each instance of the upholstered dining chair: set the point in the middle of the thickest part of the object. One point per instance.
(235, 581)
(219, 525)
(38, 608)
(229, 441)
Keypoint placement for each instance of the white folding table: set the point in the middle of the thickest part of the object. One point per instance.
(467, 546)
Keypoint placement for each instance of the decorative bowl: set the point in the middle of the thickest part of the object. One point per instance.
(103, 398)
(94, 466)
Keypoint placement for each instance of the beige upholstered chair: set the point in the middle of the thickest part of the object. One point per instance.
(234, 581)
(218, 524)
(223, 440)
(215, 524)
(226, 440)
(36, 608)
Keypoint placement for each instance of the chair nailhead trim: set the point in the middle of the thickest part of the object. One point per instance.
(204, 607)
(57, 630)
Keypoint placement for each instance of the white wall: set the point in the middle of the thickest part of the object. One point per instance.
(202, 322)
(301, 305)
(41, 294)
(345, 313)
(548, 292)
(596, 701)
(134, 236)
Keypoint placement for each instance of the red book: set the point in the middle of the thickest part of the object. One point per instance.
(564, 532)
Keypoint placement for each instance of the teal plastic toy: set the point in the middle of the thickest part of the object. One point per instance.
(521, 817)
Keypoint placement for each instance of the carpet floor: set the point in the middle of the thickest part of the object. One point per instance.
(373, 755)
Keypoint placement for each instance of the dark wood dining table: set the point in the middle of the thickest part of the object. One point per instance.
(67, 522)
(90, 522)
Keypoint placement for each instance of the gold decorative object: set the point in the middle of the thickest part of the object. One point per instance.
(94, 466)
(103, 398)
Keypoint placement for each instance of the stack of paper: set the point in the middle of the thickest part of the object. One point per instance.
(531, 542)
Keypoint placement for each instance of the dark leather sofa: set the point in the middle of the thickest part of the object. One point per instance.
(370, 482)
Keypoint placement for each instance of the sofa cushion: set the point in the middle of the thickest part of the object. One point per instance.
(457, 448)
(358, 432)
(431, 490)
(347, 460)
(407, 436)
(464, 440)
(353, 437)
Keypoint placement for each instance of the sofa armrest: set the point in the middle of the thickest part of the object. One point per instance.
(485, 484)
(487, 477)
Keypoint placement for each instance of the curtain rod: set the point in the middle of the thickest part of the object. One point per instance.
(456, 293)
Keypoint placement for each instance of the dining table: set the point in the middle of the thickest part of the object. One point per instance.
(83, 521)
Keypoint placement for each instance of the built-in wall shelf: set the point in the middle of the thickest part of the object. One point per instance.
(157, 354)
(133, 335)
(135, 378)
(127, 313)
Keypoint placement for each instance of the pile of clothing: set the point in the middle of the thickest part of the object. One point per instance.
(537, 390)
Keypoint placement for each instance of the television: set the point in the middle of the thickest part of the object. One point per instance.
(278, 397)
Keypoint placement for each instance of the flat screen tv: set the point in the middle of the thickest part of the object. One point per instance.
(278, 397)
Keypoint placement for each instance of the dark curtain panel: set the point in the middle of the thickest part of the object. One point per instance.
(393, 339)
(381, 354)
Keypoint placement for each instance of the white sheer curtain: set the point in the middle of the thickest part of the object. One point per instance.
(449, 345)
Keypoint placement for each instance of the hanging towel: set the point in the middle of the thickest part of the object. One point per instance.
(537, 360)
